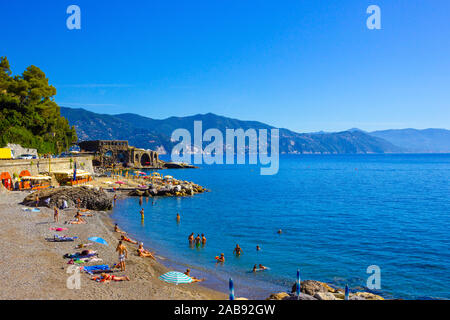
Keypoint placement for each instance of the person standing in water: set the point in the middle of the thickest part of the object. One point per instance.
(203, 239)
(237, 250)
(197, 240)
(191, 238)
(178, 218)
(142, 214)
(115, 198)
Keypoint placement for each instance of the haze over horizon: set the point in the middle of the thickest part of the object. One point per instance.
(306, 66)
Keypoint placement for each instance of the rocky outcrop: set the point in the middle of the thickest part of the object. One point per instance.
(181, 189)
(311, 287)
(178, 165)
(91, 198)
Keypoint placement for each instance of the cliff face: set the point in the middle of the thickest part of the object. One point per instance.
(154, 134)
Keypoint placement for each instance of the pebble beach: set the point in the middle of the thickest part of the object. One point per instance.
(33, 268)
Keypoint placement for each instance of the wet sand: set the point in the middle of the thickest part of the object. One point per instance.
(33, 268)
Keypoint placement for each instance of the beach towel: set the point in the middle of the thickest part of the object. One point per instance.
(97, 269)
(59, 229)
(57, 238)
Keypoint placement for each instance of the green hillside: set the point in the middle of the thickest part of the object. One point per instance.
(28, 113)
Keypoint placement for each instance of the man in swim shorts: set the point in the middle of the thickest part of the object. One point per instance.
(123, 254)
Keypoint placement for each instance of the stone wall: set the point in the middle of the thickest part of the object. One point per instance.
(38, 166)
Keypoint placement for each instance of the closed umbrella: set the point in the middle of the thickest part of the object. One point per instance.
(298, 284)
(98, 240)
(175, 277)
(347, 293)
(231, 287)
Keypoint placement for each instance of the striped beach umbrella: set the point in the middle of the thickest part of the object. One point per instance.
(298, 284)
(231, 286)
(175, 277)
(347, 292)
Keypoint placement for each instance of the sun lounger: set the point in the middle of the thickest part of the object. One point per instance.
(97, 269)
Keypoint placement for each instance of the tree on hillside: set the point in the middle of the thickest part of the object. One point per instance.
(29, 114)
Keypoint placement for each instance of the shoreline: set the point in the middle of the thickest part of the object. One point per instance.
(35, 269)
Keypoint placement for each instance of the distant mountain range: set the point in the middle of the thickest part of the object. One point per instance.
(148, 133)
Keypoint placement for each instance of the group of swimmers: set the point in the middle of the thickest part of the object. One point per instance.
(238, 251)
(197, 240)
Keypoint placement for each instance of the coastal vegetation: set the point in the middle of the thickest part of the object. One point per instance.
(29, 115)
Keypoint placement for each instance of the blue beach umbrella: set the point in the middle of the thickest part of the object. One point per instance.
(98, 240)
(298, 284)
(231, 286)
(75, 171)
(175, 277)
(347, 293)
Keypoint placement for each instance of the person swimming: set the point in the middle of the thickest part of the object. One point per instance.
(258, 248)
(237, 250)
(255, 268)
(261, 267)
(279, 231)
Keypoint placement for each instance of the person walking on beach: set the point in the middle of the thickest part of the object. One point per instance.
(55, 214)
(36, 199)
(123, 254)
(237, 250)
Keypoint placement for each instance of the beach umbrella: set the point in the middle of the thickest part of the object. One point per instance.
(98, 240)
(75, 171)
(231, 286)
(120, 182)
(347, 293)
(298, 284)
(175, 277)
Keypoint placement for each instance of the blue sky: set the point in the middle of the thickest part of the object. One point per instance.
(304, 65)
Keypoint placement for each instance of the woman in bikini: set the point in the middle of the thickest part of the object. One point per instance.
(144, 253)
(108, 278)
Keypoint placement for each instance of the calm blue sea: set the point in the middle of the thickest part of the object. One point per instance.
(339, 214)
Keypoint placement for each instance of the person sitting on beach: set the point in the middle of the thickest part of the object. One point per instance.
(123, 253)
(79, 217)
(221, 258)
(144, 253)
(108, 278)
(188, 273)
(237, 250)
(55, 214)
(128, 240)
(116, 229)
